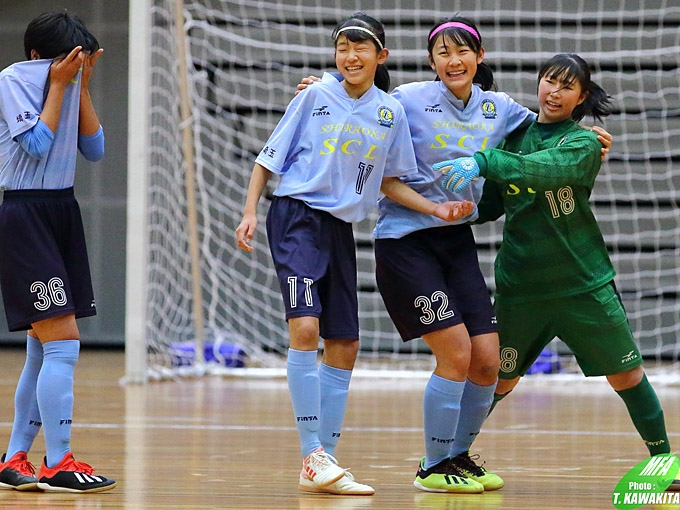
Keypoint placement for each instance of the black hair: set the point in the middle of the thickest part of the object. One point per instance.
(376, 34)
(570, 68)
(462, 37)
(55, 34)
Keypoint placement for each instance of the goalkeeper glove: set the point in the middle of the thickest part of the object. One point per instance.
(458, 172)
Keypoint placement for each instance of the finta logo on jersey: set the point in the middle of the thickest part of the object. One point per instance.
(433, 108)
(646, 483)
(321, 111)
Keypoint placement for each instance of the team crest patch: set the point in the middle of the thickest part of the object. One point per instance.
(385, 117)
(489, 109)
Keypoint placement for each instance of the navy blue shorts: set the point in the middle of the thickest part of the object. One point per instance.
(44, 270)
(430, 280)
(315, 260)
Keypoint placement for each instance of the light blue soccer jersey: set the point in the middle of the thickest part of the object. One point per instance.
(332, 151)
(22, 96)
(443, 128)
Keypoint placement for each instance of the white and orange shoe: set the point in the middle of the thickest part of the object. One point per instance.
(322, 468)
(344, 486)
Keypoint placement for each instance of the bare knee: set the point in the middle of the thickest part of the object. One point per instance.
(304, 333)
(485, 361)
(63, 327)
(452, 350)
(505, 386)
(626, 380)
(341, 353)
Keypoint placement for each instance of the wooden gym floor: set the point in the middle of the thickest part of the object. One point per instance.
(217, 442)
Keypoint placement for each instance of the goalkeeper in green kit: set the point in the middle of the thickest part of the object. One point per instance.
(553, 274)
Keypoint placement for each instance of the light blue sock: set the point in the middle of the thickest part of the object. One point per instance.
(474, 408)
(334, 384)
(441, 409)
(55, 396)
(303, 384)
(26, 413)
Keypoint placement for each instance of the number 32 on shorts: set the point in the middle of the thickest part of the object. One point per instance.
(433, 308)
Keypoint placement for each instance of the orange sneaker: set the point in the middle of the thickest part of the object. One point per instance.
(72, 476)
(17, 473)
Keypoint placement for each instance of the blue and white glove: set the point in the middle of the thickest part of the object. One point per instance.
(458, 173)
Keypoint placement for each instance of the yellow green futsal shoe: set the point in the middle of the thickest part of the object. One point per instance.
(468, 466)
(445, 477)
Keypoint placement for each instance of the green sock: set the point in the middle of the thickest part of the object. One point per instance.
(496, 399)
(645, 411)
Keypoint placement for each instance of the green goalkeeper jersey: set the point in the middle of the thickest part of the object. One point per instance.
(541, 178)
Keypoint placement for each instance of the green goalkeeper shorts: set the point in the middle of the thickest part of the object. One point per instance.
(593, 325)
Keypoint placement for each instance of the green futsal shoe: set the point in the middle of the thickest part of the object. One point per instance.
(445, 477)
(468, 466)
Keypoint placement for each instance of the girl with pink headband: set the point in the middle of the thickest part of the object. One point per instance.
(427, 270)
(448, 303)
(454, 24)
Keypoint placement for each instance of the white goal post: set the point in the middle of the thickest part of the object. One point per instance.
(209, 80)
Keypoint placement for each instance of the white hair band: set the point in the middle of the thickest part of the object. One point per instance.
(361, 29)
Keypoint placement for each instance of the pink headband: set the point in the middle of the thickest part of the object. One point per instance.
(454, 24)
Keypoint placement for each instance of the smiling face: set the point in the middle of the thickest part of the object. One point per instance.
(558, 96)
(357, 62)
(455, 65)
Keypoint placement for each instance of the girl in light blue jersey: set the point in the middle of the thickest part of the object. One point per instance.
(337, 146)
(427, 270)
(46, 116)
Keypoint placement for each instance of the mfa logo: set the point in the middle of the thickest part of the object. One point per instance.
(647, 482)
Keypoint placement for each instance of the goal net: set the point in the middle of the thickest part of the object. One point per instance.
(221, 73)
